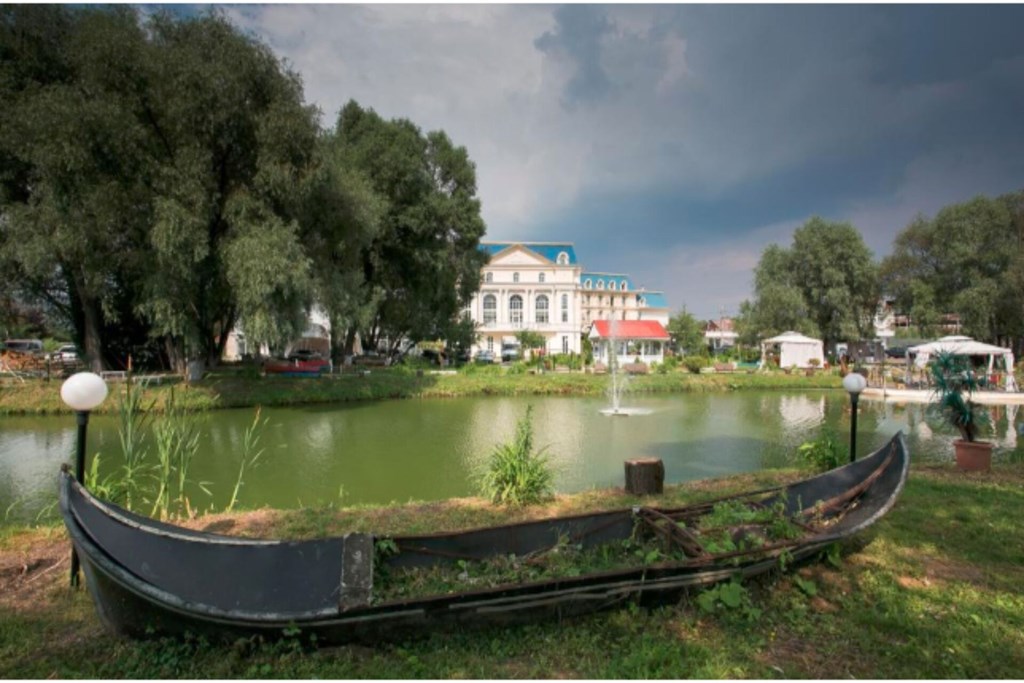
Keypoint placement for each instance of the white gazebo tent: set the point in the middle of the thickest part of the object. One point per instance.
(795, 349)
(965, 346)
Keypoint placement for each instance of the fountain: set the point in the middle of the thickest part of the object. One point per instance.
(618, 383)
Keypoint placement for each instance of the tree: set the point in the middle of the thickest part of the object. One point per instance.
(686, 333)
(826, 284)
(968, 260)
(529, 340)
(149, 176)
(230, 139)
(74, 198)
(423, 264)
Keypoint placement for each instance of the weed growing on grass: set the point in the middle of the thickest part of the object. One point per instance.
(177, 441)
(822, 454)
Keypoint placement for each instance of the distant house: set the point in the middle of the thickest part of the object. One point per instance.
(629, 340)
(720, 334)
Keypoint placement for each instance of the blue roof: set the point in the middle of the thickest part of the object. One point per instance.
(655, 299)
(548, 250)
(607, 278)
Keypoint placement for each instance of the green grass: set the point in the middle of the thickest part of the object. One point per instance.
(233, 390)
(934, 590)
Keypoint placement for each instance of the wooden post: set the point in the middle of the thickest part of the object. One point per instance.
(645, 476)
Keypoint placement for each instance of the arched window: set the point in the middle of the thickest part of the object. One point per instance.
(611, 285)
(625, 286)
(563, 258)
(600, 284)
(542, 309)
(489, 277)
(565, 308)
(540, 278)
(515, 277)
(490, 309)
(586, 283)
(515, 309)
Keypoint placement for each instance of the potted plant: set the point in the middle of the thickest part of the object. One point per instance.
(955, 383)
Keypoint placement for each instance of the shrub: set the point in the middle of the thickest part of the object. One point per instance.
(695, 363)
(823, 453)
(515, 474)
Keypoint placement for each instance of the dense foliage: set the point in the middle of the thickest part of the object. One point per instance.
(162, 181)
(517, 474)
(825, 285)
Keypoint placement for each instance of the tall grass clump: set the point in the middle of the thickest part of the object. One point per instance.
(131, 425)
(516, 475)
(176, 434)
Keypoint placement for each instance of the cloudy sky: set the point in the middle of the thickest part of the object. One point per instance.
(674, 142)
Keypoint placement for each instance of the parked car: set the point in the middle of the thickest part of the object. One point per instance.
(896, 352)
(509, 352)
(304, 354)
(484, 357)
(32, 346)
(68, 353)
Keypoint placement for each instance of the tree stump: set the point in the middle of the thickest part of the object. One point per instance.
(645, 476)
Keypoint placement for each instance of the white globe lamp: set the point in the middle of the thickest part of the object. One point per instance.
(82, 392)
(854, 383)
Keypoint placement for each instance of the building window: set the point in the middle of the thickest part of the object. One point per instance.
(490, 309)
(565, 308)
(600, 284)
(565, 344)
(542, 309)
(563, 258)
(540, 278)
(489, 277)
(490, 344)
(586, 283)
(515, 309)
(623, 315)
(624, 286)
(611, 285)
(515, 277)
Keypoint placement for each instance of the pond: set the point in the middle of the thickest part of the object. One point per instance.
(396, 451)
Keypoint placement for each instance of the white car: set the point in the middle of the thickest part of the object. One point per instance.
(65, 354)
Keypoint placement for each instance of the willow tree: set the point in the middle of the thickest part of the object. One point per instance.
(74, 173)
(231, 138)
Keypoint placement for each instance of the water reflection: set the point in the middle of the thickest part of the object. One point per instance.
(428, 450)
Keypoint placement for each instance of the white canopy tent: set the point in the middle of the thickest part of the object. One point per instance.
(795, 349)
(965, 346)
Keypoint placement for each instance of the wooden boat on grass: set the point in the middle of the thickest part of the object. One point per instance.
(151, 578)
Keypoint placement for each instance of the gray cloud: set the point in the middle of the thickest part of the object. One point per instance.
(677, 141)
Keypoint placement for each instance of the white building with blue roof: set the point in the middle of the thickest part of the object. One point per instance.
(540, 286)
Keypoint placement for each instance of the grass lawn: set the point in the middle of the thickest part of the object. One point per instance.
(227, 389)
(936, 592)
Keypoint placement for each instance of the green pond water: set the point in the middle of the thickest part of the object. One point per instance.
(379, 452)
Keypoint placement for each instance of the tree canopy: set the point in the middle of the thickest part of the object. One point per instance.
(825, 284)
(968, 260)
(162, 182)
(686, 333)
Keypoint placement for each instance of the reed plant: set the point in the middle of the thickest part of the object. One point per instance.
(176, 435)
(132, 419)
(516, 475)
(252, 451)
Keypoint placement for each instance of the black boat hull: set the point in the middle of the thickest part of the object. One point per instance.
(149, 578)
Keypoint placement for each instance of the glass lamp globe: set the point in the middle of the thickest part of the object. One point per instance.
(854, 383)
(83, 391)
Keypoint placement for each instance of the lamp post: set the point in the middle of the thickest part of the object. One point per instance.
(854, 383)
(82, 392)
